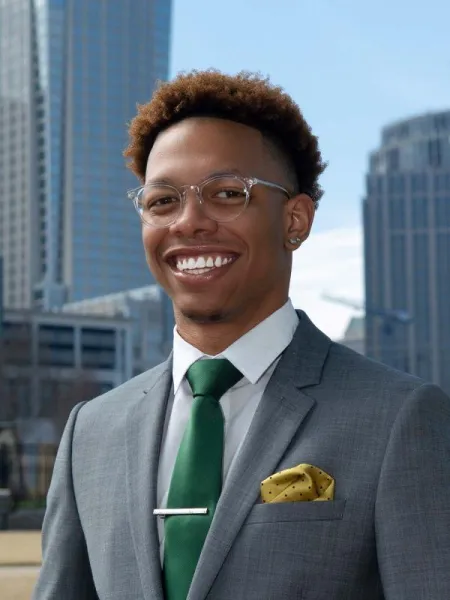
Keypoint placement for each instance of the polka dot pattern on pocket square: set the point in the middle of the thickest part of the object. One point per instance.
(303, 483)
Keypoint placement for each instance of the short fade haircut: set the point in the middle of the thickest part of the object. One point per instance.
(244, 98)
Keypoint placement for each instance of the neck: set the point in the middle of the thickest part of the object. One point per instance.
(212, 338)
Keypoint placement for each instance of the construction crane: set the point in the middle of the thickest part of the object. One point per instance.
(390, 316)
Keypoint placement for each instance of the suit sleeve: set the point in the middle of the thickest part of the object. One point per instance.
(412, 514)
(65, 572)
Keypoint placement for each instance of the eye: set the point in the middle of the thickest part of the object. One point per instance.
(230, 193)
(153, 203)
(225, 190)
(158, 198)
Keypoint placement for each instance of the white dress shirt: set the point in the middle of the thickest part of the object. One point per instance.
(255, 355)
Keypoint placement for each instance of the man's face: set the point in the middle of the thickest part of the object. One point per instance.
(254, 262)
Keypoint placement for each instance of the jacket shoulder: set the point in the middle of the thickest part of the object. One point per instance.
(115, 400)
(344, 364)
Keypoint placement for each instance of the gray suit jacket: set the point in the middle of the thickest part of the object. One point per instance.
(384, 437)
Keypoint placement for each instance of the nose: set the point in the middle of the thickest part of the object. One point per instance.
(192, 219)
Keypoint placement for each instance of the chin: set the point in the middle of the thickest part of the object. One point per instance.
(201, 312)
(203, 316)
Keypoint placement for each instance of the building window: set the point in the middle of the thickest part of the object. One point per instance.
(421, 308)
(418, 182)
(392, 158)
(443, 288)
(435, 152)
(419, 215)
(439, 182)
(397, 213)
(442, 211)
(56, 346)
(98, 359)
(396, 184)
(98, 348)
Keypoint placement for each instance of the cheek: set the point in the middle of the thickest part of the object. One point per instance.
(267, 237)
(151, 241)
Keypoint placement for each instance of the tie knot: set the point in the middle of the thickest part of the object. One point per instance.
(212, 377)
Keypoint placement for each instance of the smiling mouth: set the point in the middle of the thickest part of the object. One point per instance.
(201, 264)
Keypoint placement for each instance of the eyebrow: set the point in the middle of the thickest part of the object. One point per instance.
(218, 173)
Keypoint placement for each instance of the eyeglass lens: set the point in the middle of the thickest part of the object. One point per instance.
(223, 199)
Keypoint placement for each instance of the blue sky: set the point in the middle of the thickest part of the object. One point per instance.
(351, 66)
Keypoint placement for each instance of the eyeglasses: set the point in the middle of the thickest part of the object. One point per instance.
(222, 197)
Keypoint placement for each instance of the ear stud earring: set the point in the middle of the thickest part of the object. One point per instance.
(294, 241)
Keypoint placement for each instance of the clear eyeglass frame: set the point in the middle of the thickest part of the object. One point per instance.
(247, 182)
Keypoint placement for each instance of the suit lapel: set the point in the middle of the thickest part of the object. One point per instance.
(145, 426)
(280, 413)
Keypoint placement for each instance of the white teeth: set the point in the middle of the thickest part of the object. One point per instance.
(199, 271)
(201, 264)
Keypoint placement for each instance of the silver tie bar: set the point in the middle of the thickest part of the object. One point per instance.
(167, 512)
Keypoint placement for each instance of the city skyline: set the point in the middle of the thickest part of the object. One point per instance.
(71, 75)
(346, 96)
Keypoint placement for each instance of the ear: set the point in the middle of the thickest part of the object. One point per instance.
(300, 211)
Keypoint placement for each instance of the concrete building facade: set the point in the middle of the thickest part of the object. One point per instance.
(151, 314)
(46, 358)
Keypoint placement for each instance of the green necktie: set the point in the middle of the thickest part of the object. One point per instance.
(197, 476)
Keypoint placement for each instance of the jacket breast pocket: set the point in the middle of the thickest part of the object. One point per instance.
(279, 512)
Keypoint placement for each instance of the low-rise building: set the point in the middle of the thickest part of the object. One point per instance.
(50, 360)
(151, 314)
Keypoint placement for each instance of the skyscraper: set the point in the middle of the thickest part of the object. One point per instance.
(71, 74)
(407, 247)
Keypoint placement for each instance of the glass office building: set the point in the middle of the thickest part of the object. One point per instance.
(407, 247)
(71, 74)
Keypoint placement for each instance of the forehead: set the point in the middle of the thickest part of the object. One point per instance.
(196, 147)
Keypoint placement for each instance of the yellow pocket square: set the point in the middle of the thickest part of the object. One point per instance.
(301, 483)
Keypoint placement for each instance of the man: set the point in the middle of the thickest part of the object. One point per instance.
(261, 460)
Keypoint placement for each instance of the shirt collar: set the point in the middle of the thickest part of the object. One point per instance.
(252, 354)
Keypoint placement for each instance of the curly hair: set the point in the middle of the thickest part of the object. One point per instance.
(245, 98)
